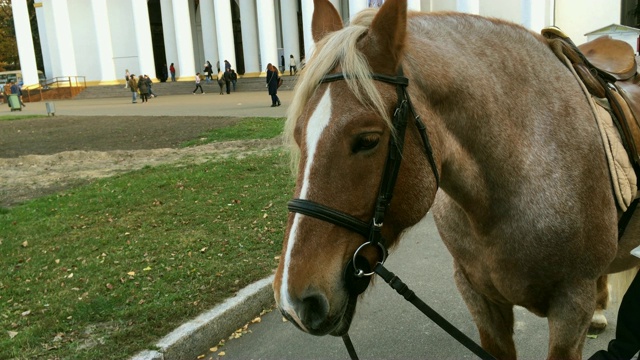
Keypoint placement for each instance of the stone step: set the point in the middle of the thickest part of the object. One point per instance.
(181, 88)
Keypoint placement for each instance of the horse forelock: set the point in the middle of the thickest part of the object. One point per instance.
(337, 52)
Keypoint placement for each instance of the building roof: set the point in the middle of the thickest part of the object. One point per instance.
(613, 28)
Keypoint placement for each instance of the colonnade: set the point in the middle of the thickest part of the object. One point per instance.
(117, 34)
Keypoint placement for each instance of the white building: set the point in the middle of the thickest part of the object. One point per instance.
(100, 39)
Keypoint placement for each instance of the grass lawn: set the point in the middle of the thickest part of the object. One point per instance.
(104, 270)
(19, 117)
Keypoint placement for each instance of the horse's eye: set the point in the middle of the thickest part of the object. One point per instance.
(366, 142)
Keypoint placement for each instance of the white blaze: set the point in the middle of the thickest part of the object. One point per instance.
(315, 127)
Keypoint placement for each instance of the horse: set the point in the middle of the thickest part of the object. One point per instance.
(500, 144)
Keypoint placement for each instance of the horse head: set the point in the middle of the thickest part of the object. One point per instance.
(342, 132)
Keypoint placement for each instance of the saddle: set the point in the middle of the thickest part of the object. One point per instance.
(609, 70)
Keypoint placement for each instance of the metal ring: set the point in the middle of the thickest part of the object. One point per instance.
(360, 272)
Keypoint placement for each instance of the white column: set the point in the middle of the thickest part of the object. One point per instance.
(24, 39)
(103, 41)
(290, 37)
(61, 38)
(413, 5)
(468, 6)
(44, 42)
(224, 29)
(307, 15)
(209, 36)
(168, 30)
(534, 15)
(250, 45)
(267, 33)
(185, 64)
(355, 6)
(142, 30)
(336, 4)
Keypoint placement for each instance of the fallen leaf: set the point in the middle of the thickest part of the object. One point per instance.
(131, 273)
(213, 349)
(26, 313)
(264, 216)
(12, 334)
(25, 244)
(147, 268)
(57, 261)
(222, 353)
(201, 356)
(592, 336)
(284, 319)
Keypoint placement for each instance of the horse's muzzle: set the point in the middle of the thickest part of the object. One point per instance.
(314, 314)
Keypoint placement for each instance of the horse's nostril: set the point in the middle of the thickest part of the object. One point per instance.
(314, 311)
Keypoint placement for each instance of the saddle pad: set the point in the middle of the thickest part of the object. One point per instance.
(623, 178)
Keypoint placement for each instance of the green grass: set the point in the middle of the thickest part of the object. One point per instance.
(19, 117)
(250, 128)
(104, 270)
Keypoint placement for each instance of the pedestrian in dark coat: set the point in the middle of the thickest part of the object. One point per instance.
(144, 89)
(272, 84)
(227, 80)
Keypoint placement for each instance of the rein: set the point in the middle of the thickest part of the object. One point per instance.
(358, 271)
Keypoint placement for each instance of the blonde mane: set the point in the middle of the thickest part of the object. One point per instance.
(337, 49)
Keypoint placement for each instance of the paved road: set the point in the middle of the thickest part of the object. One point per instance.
(388, 327)
(239, 104)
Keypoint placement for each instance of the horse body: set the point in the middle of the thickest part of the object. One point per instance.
(525, 203)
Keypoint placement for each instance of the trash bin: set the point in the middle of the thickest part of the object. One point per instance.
(14, 102)
(51, 108)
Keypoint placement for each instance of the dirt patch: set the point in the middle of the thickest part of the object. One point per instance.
(46, 155)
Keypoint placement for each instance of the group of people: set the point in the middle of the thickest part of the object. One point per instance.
(226, 79)
(141, 85)
(11, 88)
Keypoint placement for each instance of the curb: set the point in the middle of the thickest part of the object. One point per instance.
(197, 335)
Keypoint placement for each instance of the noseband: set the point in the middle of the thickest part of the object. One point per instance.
(358, 280)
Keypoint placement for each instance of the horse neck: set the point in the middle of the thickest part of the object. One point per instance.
(485, 84)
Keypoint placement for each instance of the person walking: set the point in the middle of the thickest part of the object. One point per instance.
(208, 71)
(133, 85)
(292, 65)
(221, 81)
(272, 84)
(227, 80)
(227, 65)
(234, 79)
(127, 75)
(149, 83)
(172, 70)
(198, 85)
(144, 89)
(16, 90)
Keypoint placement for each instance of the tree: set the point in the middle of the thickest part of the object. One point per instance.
(9, 59)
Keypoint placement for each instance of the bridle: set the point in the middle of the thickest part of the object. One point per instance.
(358, 271)
(358, 280)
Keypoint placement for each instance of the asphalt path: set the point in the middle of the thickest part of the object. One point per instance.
(388, 327)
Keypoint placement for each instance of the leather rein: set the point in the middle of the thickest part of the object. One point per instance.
(358, 271)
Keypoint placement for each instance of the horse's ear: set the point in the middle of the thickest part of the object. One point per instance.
(325, 19)
(387, 35)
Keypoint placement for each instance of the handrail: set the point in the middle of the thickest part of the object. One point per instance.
(74, 84)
